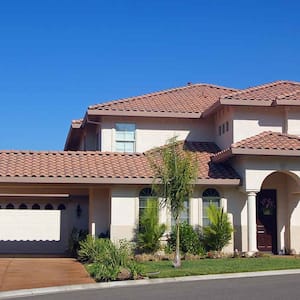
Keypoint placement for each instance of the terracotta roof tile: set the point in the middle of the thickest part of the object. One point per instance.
(264, 93)
(100, 165)
(270, 140)
(191, 99)
(265, 143)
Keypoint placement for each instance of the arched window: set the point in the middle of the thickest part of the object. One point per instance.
(10, 206)
(209, 196)
(23, 206)
(61, 207)
(35, 206)
(49, 206)
(144, 196)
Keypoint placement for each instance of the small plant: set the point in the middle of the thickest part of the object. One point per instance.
(189, 240)
(150, 231)
(218, 233)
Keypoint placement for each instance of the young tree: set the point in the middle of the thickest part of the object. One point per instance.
(175, 174)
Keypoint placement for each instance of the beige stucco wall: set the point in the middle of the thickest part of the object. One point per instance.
(99, 211)
(125, 209)
(293, 121)
(154, 132)
(220, 118)
(249, 121)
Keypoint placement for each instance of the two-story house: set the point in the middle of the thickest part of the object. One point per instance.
(245, 143)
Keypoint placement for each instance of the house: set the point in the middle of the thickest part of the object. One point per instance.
(246, 144)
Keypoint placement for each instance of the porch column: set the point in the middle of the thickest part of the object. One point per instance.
(251, 210)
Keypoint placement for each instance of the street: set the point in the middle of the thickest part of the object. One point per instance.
(271, 287)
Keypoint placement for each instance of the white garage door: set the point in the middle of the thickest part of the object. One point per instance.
(35, 228)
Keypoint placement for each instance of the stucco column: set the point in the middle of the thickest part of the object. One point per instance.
(251, 210)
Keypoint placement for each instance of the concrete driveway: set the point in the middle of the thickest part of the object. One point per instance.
(27, 273)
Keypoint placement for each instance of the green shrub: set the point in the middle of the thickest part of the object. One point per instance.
(217, 234)
(150, 231)
(189, 240)
(107, 259)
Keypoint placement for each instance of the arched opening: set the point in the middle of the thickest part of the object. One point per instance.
(278, 213)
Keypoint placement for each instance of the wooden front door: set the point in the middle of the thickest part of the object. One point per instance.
(266, 221)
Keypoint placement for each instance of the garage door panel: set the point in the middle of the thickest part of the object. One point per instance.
(30, 225)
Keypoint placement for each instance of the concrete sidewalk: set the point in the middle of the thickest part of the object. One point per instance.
(30, 273)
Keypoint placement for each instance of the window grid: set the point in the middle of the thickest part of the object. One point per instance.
(125, 137)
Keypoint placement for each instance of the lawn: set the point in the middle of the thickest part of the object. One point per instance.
(162, 269)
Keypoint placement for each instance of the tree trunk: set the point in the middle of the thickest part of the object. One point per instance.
(177, 260)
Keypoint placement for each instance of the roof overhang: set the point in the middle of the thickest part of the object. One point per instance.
(225, 155)
(151, 114)
(108, 181)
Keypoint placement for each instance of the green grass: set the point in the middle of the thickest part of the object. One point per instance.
(218, 266)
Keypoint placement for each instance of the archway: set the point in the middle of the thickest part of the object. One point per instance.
(278, 213)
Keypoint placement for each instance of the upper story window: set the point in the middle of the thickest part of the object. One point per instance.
(209, 197)
(125, 137)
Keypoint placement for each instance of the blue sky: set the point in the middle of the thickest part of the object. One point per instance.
(59, 56)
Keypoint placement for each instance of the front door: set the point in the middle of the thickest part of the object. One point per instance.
(266, 221)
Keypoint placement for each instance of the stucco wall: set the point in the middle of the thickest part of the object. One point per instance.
(293, 121)
(154, 132)
(223, 122)
(249, 121)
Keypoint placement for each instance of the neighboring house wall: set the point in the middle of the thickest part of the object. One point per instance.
(249, 121)
(154, 132)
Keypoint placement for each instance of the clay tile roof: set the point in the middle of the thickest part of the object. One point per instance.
(201, 153)
(262, 94)
(265, 143)
(189, 101)
(101, 167)
(77, 123)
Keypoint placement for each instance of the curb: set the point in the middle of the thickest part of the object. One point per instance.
(119, 284)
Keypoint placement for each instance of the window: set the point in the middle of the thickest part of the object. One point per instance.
(185, 215)
(144, 197)
(220, 130)
(209, 196)
(125, 137)
(23, 206)
(227, 126)
(61, 207)
(35, 206)
(10, 206)
(49, 206)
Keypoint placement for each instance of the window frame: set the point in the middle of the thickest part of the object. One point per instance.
(212, 198)
(125, 140)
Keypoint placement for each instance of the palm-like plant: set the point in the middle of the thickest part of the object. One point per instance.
(175, 174)
(218, 233)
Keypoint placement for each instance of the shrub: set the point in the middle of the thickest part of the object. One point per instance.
(150, 231)
(107, 259)
(189, 240)
(218, 233)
